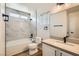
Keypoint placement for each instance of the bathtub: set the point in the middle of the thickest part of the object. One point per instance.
(16, 46)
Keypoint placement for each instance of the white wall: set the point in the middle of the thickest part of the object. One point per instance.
(58, 19)
(42, 21)
(2, 30)
(74, 24)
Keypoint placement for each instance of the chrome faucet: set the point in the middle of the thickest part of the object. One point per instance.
(65, 38)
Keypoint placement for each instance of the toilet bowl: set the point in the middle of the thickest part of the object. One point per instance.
(33, 48)
(32, 45)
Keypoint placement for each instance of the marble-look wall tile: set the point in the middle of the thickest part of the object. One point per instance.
(17, 29)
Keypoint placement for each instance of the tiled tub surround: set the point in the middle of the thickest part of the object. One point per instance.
(17, 29)
(19, 25)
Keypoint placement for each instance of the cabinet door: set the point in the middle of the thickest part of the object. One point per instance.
(62, 53)
(48, 50)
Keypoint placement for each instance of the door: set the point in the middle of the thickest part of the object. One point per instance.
(2, 30)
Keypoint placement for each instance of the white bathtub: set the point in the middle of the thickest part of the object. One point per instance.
(17, 46)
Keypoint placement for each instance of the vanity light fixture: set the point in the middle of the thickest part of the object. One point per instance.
(59, 4)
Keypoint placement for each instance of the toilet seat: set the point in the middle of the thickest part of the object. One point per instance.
(33, 48)
(33, 45)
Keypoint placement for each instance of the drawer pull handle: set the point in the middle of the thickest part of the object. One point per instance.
(60, 54)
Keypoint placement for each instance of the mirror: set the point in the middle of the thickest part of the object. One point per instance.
(73, 22)
(58, 25)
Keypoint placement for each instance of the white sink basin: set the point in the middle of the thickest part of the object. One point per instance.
(67, 43)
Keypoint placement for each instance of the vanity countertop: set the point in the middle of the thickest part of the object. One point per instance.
(71, 48)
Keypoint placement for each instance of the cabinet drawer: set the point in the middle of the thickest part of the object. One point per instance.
(48, 50)
(62, 53)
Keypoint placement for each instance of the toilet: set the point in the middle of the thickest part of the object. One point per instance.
(33, 47)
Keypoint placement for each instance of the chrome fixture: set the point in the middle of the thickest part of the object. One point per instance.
(65, 38)
(45, 27)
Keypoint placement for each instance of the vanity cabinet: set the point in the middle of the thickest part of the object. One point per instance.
(48, 50)
(62, 53)
(51, 51)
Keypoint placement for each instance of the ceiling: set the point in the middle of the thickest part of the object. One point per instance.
(39, 6)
